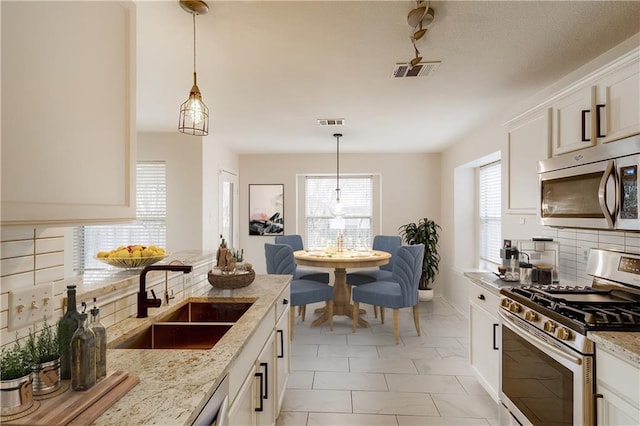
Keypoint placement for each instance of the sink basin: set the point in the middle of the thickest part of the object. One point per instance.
(208, 312)
(164, 335)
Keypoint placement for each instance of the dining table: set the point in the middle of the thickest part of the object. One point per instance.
(340, 261)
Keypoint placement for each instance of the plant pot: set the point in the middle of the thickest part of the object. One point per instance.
(16, 395)
(425, 295)
(46, 377)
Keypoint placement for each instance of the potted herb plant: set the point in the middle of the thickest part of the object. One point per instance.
(425, 231)
(16, 389)
(45, 359)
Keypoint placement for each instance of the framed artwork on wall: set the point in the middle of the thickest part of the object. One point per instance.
(266, 209)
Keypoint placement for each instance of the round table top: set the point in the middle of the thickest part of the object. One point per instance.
(345, 259)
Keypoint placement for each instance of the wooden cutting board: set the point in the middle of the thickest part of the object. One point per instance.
(80, 407)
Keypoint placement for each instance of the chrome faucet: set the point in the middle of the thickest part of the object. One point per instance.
(144, 303)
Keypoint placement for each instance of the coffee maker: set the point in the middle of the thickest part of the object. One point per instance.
(537, 251)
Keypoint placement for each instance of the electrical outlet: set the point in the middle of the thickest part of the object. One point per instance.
(30, 305)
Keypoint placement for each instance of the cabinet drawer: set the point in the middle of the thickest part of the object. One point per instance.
(484, 298)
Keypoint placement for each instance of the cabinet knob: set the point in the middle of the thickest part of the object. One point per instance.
(481, 297)
(285, 301)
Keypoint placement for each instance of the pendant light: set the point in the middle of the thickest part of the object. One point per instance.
(337, 207)
(194, 114)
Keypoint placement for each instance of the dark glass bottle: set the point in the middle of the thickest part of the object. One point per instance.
(83, 356)
(66, 327)
(101, 342)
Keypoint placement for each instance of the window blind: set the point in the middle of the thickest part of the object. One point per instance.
(149, 227)
(490, 211)
(356, 192)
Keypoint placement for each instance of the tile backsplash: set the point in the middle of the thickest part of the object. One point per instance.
(576, 243)
(29, 256)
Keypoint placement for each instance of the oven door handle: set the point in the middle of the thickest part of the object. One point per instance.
(540, 343)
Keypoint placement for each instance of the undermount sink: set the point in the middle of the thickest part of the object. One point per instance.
(192, 325)
(208, 312)
(167, 335)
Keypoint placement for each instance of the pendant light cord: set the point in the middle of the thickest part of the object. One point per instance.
(194, 48)
(337, 166)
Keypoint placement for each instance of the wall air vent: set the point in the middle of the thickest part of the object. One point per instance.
(330, 121)
(422, 69)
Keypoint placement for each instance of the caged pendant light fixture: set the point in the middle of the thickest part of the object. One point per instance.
(337, 207)
(194, 114)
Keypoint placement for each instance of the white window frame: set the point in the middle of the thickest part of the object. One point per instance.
(376, 208)
(149, 226)
(489, 257)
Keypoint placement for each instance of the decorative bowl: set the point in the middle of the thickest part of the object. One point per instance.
(237, 280)
(131, 262)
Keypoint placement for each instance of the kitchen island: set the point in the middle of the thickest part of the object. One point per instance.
(176, 384)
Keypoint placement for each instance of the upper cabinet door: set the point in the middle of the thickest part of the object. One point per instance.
(68, 115)
(573, 121)
(528, 144)
(618, 108)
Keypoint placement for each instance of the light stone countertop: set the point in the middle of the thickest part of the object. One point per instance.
(175, 384)
(624, 344)
(489, 281)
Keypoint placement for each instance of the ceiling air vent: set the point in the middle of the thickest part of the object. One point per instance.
(423, 69)
(330, 121)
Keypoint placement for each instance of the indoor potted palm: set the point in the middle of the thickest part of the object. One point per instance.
(45, 359)
(424, 232)
(16, 389)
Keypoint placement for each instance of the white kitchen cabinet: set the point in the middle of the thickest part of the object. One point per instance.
(572, 121)
(617, 390)
(259, 375)
(484, 349)
(283, 352)
(618, 103)
(529, 139)
(68, 116)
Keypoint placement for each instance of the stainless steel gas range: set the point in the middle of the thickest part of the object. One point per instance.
(547, 372)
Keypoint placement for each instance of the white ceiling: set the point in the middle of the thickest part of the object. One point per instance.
(267, 70)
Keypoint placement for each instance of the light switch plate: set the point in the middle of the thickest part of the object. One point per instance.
(30, 305)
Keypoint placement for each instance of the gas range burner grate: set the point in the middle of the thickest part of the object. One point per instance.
(597, 316)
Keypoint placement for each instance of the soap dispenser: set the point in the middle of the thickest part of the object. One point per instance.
(83, 355)
(101, 341)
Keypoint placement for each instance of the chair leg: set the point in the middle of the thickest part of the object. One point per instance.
(375, 311)
(292, 321)
(355, 314)
(416, 318)
(381, 314)
(396, 327)
(330, 313)
(299, 310)
(304, 311)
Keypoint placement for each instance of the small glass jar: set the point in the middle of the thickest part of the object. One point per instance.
(545, 273)
(526, 270)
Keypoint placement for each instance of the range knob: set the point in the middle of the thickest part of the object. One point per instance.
(549, 326)
(563, 333)
(515, 307)
(505, 303)
(531, 316)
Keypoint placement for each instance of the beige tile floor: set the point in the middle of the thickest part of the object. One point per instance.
(365, 379)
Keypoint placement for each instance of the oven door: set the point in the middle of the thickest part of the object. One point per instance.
(579, 197)
(542, 382)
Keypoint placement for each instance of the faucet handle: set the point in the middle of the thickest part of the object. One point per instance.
(153, 293)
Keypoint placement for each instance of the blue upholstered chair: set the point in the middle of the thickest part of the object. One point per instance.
(280, 261)
(295, 242)
(388, 243)
(400, 291)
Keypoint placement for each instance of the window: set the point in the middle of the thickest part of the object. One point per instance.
(321, 228)
(149, 227)
(490, 212)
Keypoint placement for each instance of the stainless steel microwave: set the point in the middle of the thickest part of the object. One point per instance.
(592, 188)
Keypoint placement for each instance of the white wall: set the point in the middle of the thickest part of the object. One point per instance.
(410, 189)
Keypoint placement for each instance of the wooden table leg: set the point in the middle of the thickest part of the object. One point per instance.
(341, 300)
